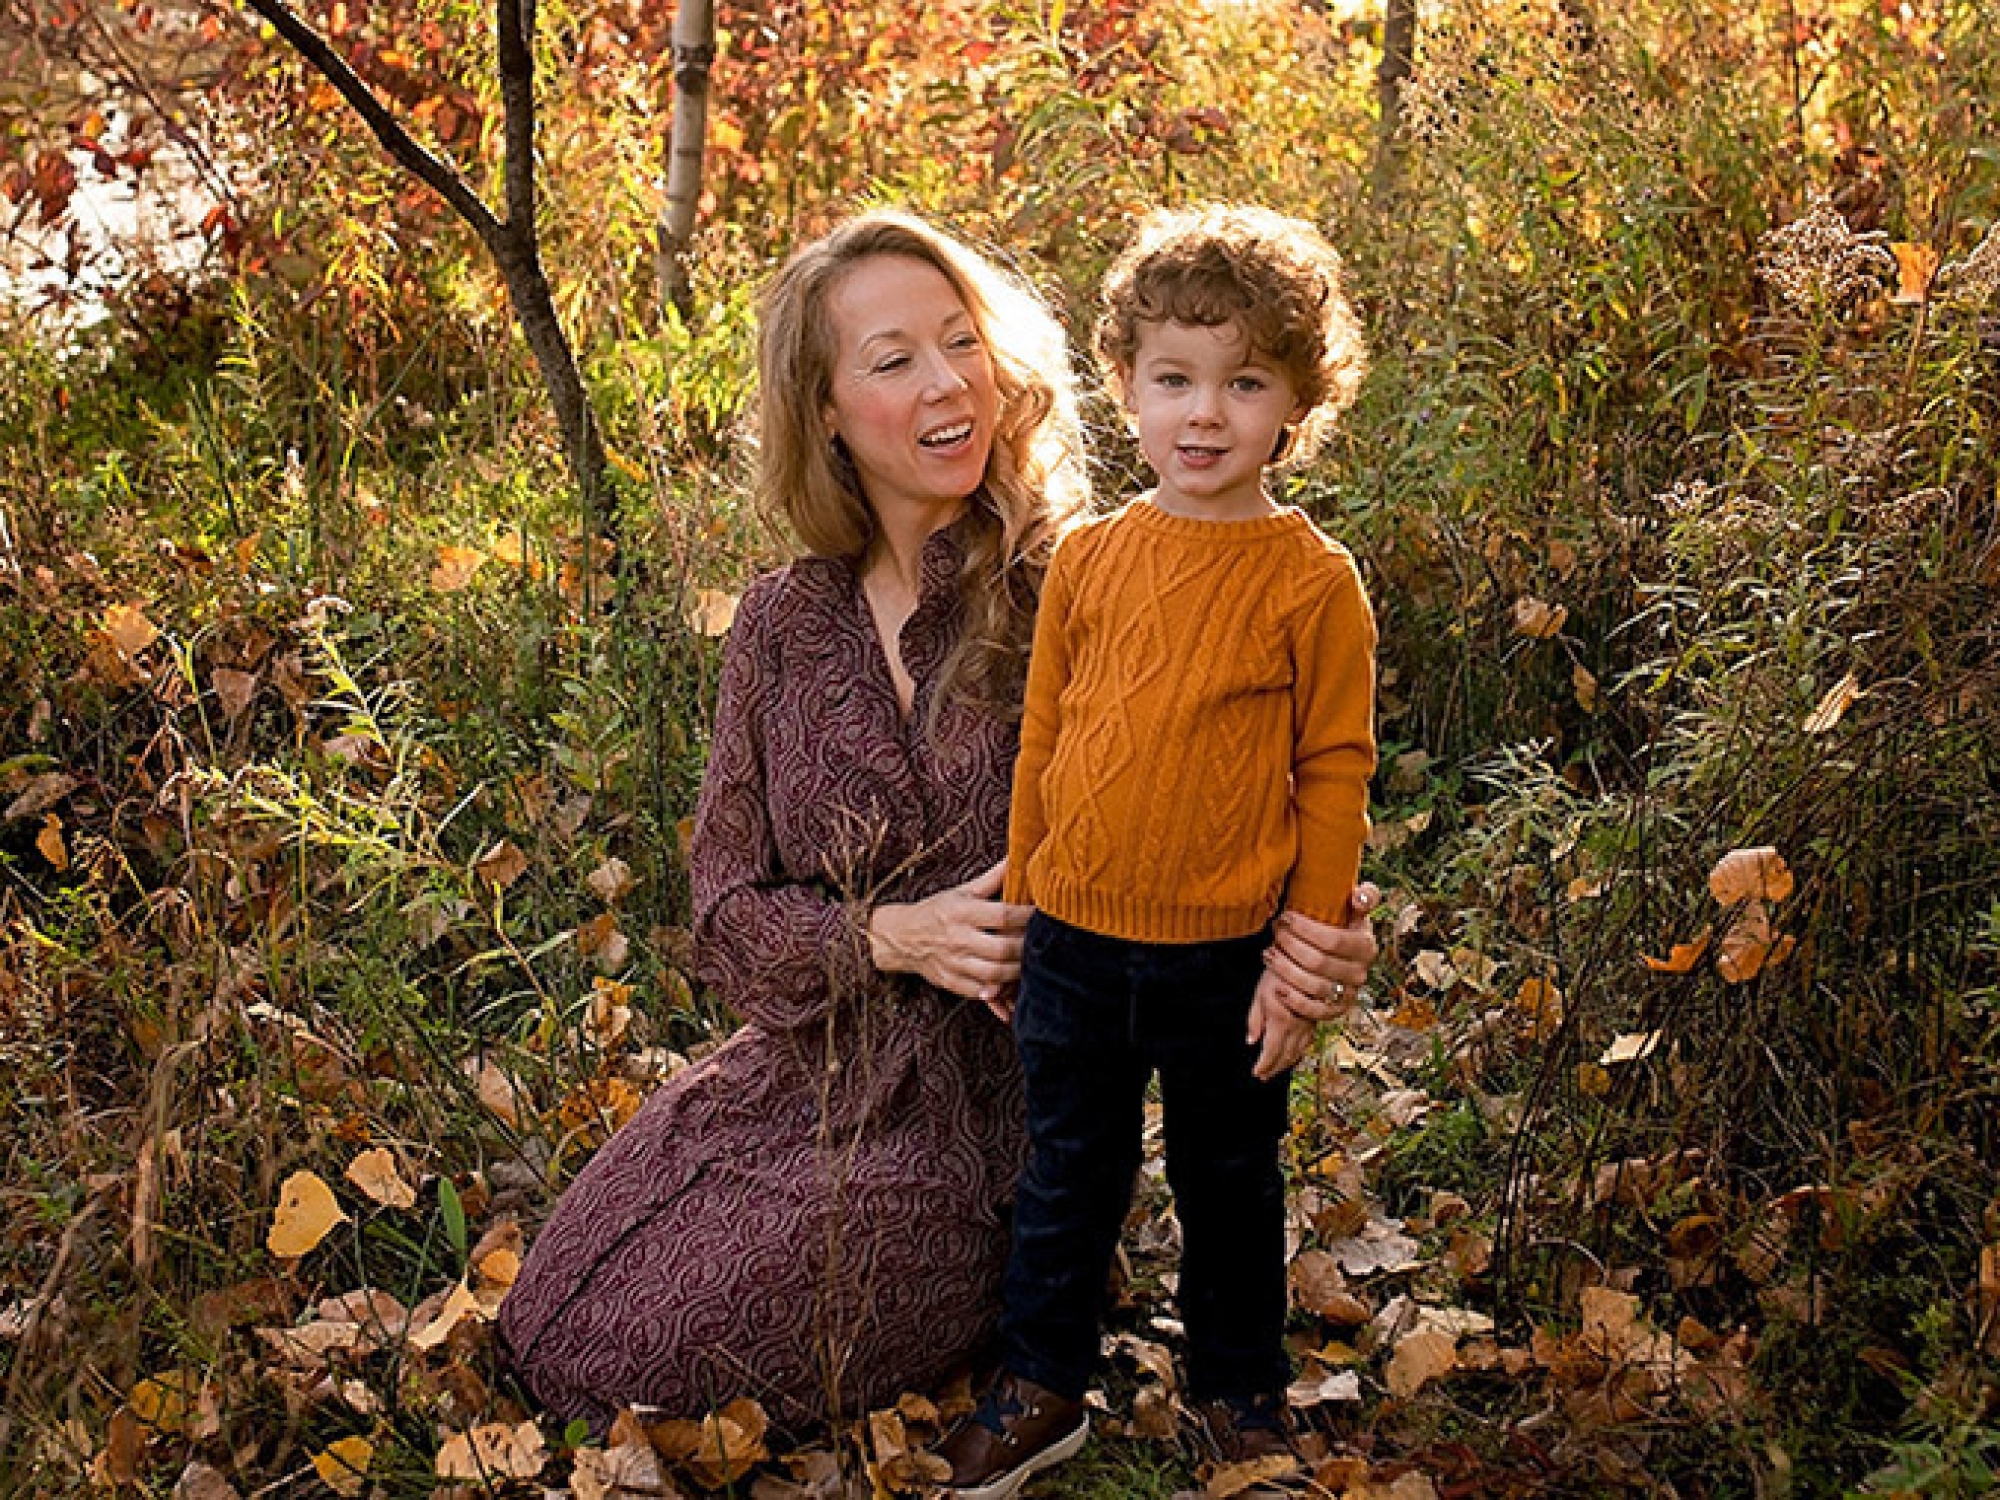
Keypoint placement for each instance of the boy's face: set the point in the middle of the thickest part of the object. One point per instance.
(1209, 409)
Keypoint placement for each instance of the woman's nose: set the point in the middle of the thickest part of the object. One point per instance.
(945, 377)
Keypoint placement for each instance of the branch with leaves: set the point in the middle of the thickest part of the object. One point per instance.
(512, 241)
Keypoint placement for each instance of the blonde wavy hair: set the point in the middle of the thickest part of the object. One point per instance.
(1036, 482)
(1273, 276)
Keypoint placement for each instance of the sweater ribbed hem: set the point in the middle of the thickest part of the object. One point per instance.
(1138, 919)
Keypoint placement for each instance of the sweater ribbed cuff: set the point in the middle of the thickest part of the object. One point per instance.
(1137, 919)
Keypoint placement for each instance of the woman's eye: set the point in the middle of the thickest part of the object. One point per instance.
(965, 342)
(891, 363)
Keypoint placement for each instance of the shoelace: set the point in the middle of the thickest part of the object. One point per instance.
(993, 1412)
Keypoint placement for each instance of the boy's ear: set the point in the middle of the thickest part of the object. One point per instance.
(1121, 377)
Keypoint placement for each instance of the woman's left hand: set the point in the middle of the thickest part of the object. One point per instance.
(1319, 969)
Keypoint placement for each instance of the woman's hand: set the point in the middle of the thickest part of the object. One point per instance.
(965, 939)
(1319, 970)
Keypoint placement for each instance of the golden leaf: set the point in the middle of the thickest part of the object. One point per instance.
(1584, 681)
(1682, 958)
(1758, 874)
(454, 568)
(1838, 700)
(343, 1465)
(1916, 268)
(714, 612)
(50, 842)
(1540, 1003)
(130, 631)
(306, 1214)
(497, 1450)
(1591, 1080)
(374, 1171)
(496, 1090)
(501, 865)
(1536, 620)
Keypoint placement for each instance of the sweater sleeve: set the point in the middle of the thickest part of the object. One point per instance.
(778, 951)
(1048, 675)
(1333, 744)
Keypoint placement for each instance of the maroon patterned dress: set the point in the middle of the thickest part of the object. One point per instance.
(813, 1215)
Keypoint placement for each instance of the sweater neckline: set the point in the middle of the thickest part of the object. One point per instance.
(1281, 522)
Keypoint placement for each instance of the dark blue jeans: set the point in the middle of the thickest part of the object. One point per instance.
(1096, 1017)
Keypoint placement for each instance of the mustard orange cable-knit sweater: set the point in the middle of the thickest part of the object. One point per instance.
(1198, 739)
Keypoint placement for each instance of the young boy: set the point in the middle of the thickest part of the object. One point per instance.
(1195, 755)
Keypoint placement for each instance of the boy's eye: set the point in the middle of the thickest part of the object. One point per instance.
(1250, 384)
(1171, 380)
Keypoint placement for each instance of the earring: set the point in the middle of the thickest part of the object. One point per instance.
(1281, 447)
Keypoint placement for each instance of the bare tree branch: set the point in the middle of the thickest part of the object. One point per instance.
(514, 21)
(397, 141)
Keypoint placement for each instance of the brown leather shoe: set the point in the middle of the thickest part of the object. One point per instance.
(1018, 1429)
(1233, 1430)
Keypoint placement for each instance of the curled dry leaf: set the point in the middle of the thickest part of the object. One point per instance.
(1536, 620)
(305, 1215)
(454, 568)
(1323, 1386)
(1380, 1248)
(713, 613)
(1632, 1046)
(50, 842)
(129, 629)
(1838, 700)
(1236, 1479)
(375, 1172)
(624, 1471)
(200, 1482)
(1539, 1003)
(501, 865)
(343, 1465)
(234, 690)
(499, 1093)
(497, 1450)
(610, 880)
(1750, 945)
(1916, 269)
(1419, 1359)
(1758, 874)
(721, 1448)
(458, 1306)
(1683, 957)
(40, 794)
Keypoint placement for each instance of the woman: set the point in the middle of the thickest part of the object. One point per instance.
(815, 1215)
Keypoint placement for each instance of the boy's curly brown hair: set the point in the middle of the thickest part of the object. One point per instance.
(1274, 276)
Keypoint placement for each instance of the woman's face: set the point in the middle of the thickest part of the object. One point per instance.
(913, 395)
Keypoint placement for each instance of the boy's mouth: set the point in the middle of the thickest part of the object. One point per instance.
(1199, 455)
(946, 437)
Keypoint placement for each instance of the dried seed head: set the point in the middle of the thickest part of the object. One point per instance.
(1818, 263)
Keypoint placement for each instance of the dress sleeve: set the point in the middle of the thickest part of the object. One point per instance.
(1048, 675)
(778, 951)
(1333, 745)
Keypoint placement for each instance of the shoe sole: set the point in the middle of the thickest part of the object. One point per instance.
(1009, 1484)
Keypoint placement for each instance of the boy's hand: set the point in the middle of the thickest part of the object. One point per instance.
(1280, 1037)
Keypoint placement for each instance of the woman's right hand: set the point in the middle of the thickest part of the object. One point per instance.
(964, 939)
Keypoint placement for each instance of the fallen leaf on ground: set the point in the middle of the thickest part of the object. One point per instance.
(1537, 620)
(1321, 1387)
(50, 842)
(199, 1482)
(375, 1172)
(1419, 1359)
(625, 1469)
(343, 1465)
(306, 1214)
(454, 568)
(1682, 958)
(610, 880)
(1380, 1247)
(234, 690)
(458, 1306)
(497, 1450)
(130, 631)
(1759, 874)
(501, 865)
(1750, 945)
(1632, 1046)
(1234, 1479)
